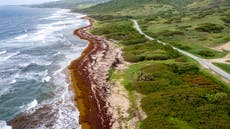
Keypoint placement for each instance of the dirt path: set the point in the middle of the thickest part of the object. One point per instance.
(126, 114)
(225, 47)
(221, 60)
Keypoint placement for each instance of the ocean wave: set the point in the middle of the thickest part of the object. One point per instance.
(13, 81)
(3, 125)
(30, 105)
(34, 63)
(20, 37)
(45, 30)
(46, 79)
(80, 16)
(42, 62)
(58, 53)
(57, 14)
(52, 17)
(3, 52)
(68, 22)
(37, 65)
(4, 90)
(29, 66)
(8, 56)
(57, 113)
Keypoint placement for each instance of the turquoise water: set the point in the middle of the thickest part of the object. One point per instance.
(35, 46)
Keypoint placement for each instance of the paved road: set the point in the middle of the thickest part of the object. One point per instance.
(203, 62)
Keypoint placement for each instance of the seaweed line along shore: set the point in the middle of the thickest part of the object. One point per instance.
(90, 80)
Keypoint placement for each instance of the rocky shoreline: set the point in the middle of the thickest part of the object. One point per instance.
(90, 79)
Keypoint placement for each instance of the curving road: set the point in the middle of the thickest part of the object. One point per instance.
(203, 62)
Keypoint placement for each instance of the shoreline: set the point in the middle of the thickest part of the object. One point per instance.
(90, 80)
(103, 103)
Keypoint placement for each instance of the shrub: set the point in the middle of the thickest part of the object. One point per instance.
(182, 68)
(149, 51)
(147, 87)
(206, 53)
(211, 28)
(226, 19)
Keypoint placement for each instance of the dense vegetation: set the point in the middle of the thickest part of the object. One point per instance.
(118, 5)
(210, 27)
(73, 4)
(124, 31)
(178, 94)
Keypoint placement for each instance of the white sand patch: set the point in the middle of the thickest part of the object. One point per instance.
(125, 115)
(223, 47)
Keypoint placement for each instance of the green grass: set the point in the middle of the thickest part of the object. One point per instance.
(146, 10)
(225, 67)
(201, 51)
(119, 30)
(180, 5)
(180, 124)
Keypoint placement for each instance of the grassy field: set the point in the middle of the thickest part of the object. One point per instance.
(177, 93)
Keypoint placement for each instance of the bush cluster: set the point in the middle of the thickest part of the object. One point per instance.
(206, 53)
(179, 92)
(211, 28)
(149, 51)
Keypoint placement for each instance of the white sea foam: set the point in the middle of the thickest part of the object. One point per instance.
(3, 125)
(80, 16)
(41, 62)
(3, 52)
(61, 109)
(62, 113)
(8, 56)
(13, 81)
(30, 105)
(57, 14)
(46, 79)
(24, 65)
(63, 22)
(45, 30)
(58, 53)
(4, 91)
(20, 37)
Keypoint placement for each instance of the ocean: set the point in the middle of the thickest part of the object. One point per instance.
(36, 47)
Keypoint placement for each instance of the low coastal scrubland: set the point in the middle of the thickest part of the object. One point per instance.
(177, 93)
